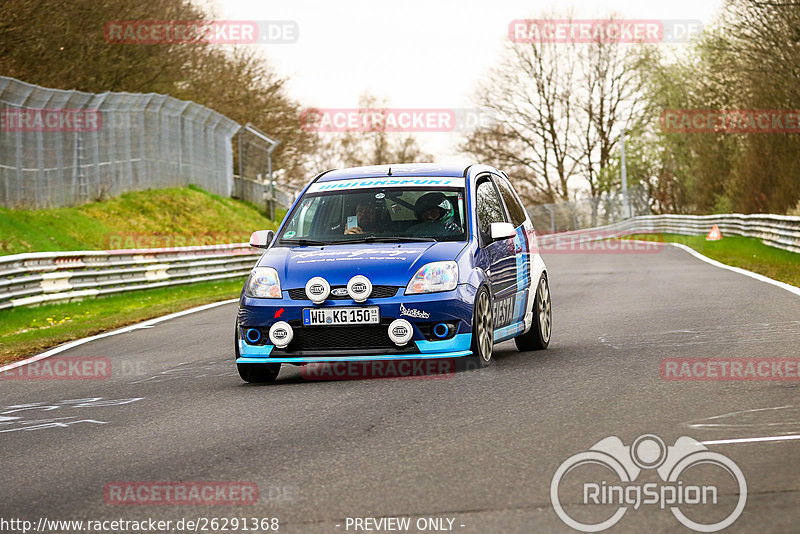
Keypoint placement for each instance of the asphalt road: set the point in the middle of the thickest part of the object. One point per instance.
(480, 447)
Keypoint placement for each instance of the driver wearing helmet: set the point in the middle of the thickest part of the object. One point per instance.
(430, 210)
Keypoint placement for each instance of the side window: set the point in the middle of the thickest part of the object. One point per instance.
(300, 224)
(515, 208)
(489, 207)
(319, 215)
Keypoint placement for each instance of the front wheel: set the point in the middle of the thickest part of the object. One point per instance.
(482, 329)
(538, 337)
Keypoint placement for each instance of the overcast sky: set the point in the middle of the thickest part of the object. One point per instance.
(415, 53)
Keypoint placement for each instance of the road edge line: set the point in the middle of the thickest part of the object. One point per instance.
(156, 320)
(766, 439)
(124, 329)
(739, 270)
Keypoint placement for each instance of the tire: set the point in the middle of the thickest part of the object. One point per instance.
(482, 329)
(259, 373)
(255, 373)
(538, 337)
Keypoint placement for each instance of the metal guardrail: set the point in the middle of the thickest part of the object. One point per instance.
(38, 277)
(780, 231)
(262, 192)
(35, 278)
(601, 210)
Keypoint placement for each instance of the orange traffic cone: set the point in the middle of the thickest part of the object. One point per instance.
(714, 234)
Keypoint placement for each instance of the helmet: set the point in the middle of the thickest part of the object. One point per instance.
(370, 202)
(431, 200)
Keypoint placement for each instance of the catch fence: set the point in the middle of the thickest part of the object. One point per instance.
(63, 148)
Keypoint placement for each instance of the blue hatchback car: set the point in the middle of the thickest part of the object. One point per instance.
(394, 262)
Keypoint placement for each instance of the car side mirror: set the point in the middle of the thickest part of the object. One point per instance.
(262, 238)
(501, 230)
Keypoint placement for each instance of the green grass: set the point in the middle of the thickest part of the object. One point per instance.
(143, 219)
(744, 252)
(28, 330)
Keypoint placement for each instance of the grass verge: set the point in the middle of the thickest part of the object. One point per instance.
(174, 217)
(26, 331)
(744, 252)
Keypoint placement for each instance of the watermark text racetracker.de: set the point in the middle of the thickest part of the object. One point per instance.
(74, 368)
(730, 121)
(704, 490)
(137, 240)
(731, 369)
(181, 493)
(624, 31)
(598, 242)
(153, 32)
(406, 120)
(432, 369)
(50, 120)
(61, 368)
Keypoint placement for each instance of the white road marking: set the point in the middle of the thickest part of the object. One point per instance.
(760, 277)
(751, 440)
(144, 324)
(751, 274)
(752, 410)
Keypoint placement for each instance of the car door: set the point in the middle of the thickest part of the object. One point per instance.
(518, 217)
(522, 250)
(499, 255)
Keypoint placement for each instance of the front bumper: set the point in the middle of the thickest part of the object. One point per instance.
(368, 342)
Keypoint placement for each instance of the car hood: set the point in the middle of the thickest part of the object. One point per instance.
(383, 263)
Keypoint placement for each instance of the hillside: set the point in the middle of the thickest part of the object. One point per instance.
(143, 219)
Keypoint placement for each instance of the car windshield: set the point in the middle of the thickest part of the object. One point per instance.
(380, 215)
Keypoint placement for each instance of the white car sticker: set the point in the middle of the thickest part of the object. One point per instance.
(363, 183)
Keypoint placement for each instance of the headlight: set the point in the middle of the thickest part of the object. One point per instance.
(433, 277)
(263, 283)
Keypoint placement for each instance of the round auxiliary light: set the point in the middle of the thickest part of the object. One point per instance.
(359, 288)
(281, 334)
(400, 332)
(318, 289)
(253, 335)
(441, 330)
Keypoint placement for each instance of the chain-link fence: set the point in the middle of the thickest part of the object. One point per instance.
(255, 181)
(62, 148)
(589, 212)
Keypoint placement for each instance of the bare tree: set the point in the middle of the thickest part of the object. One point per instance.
(557, 106)
(530, 96)
(374, 145)
(62, 45)
(610, 97)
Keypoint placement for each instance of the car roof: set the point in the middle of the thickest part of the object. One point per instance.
(399, 169)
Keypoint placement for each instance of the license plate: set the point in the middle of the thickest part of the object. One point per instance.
(336, 316)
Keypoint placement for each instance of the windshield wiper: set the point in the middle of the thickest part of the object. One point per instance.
(305, 242)
(396, 239)
(366, 239)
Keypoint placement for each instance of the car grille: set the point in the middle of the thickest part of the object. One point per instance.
(378, 292)
(342, 340)
(374, 336)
